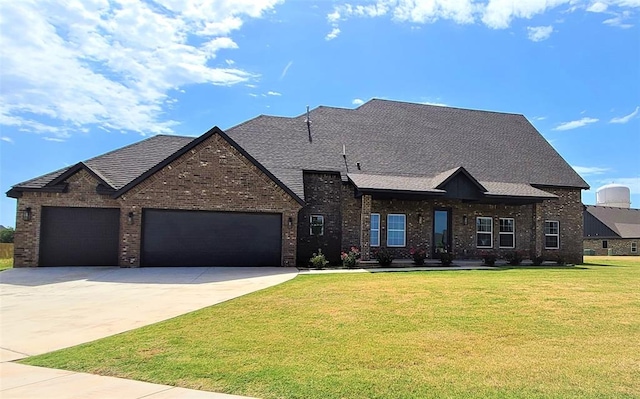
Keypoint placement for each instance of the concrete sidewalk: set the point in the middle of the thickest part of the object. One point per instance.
(22, 382)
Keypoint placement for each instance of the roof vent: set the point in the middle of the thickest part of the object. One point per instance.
(308, 122)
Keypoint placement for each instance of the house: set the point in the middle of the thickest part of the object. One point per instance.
(273, 190)
(611, 230)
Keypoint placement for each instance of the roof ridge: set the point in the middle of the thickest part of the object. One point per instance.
(422, 104)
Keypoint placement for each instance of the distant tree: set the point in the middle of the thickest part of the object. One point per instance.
(6, 234)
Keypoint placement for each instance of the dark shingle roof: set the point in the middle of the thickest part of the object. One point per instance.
(414, 146)
(624, 222)
(121, 166)
(392, 138)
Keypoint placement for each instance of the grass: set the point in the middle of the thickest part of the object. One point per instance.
(530, 333)
(6, 264)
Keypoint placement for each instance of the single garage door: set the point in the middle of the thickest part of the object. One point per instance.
(79, 236)
(201, 238)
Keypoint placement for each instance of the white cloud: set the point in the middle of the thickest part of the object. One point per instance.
(273, 93)
(598, 7)
(114, 63)
(253, 95)
(7, 139)
(590, 170)
(333, 34)
(230, 62)
(285, 70)
(576, 124)
(251, 86)
(495, 14)
(539, 33)
(619, 20)
(357, 101)
(54, 139)
(539, 118)
(626, 118)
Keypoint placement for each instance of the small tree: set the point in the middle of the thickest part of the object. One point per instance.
(6, 235)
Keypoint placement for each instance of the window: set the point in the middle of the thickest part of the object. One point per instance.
(507, 233)
(316, 225)
(375, 230)
(634, 247)
(484, 232)
(396, 230)
(551, 234)
(605, 244)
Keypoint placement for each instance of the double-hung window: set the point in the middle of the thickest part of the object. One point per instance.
(551, 234)
(316, 225)
(605, 244)
(484, 232)
(634, 247)
(507, 233)
(375, 230)
(396, 230)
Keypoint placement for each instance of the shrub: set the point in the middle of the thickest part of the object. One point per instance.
(489, 258)
(419, 255)
(514, 258)
(6, 235)
(350, 258)
(383, 256)
(446, 258)
(537, 260)
(318, 261)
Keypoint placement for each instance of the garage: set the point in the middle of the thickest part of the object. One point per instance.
(79, 236)
(204, 238)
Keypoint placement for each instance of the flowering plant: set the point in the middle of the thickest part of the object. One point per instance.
(318, 260)
(350, 257)
(419, 255)
(383, 256)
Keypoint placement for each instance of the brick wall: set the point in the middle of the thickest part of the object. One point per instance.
(567, 210)
(81, 193)
(212, 176)
(323, 194)
(419, 234)
(618, 246)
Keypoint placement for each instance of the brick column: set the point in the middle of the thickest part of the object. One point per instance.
(365, 227)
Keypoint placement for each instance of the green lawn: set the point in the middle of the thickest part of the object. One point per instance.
(530, 333)
(6, 264)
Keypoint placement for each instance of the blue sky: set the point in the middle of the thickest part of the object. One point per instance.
(94, 75)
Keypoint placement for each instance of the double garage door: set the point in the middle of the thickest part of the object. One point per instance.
(90, 237)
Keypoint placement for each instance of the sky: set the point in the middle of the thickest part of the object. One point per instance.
(91, 76)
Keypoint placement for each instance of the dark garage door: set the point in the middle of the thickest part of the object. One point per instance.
(79, 236)
(199, 238)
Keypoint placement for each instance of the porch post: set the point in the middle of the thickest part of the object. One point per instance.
(365, 227)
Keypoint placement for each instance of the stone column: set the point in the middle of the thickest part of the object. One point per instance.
(365, 227)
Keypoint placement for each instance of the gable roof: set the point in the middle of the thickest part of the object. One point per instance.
(622, 222)
(391, 138)
(120, 170)
(115, 168)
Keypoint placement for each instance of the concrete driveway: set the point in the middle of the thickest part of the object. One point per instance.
(44, 309)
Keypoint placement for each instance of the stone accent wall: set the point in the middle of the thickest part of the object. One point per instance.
(618, 246)
(81, 193)
(212, 176)
(323, 196)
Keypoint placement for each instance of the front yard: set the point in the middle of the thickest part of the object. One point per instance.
(518, 333)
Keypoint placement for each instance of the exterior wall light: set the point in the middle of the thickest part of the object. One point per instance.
(420, 218)
(26, 214)
(130, 217)
(465, 220)
(290, 222)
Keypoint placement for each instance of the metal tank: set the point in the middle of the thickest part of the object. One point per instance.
(614, 195)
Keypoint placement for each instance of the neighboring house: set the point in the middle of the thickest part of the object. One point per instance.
(273, 190)
(611, 230)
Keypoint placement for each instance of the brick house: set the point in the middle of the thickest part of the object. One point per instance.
(273, 190)
(611, 230)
